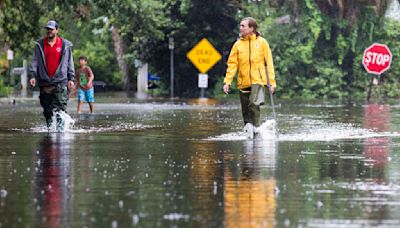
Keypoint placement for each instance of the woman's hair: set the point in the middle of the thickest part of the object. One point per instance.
(252, 24)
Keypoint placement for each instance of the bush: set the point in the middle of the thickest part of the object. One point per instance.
(4, 90)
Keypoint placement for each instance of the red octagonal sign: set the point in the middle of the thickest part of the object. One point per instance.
(377, 58)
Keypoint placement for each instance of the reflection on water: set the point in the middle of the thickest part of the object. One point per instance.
(249, 187)
(376, 149)
(53, 180)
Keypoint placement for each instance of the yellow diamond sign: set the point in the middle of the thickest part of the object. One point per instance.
(203, 55)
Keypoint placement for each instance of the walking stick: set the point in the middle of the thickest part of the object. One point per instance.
(271, 97)
(272, 102)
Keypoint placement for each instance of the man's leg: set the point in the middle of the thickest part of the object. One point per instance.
(61, 99)
(46, 101)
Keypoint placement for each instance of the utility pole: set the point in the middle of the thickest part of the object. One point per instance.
(171, 48)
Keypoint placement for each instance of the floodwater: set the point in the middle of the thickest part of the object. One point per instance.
(186, 163)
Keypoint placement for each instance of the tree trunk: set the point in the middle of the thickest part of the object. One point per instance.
(119, 51)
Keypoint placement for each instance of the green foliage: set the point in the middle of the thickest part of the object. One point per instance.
(313, 19)
(143, 25)
(101, 60)
(316, 55)
(319, 55)
(97, 46)
(218, 91)
(386, 32)
(190, 22)
(4, 90)
(342, 46)
(19, 24)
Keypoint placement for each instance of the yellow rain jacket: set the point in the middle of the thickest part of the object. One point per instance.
(248, 58)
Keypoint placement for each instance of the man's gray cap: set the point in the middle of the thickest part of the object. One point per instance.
(52, 25)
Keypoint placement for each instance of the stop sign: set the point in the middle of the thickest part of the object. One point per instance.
(377, 58)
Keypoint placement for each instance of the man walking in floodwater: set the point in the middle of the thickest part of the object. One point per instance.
(53, 68)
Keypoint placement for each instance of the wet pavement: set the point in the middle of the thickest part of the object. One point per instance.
(187, 163)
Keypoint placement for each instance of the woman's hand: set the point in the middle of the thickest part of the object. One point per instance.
(272, 89)
(226, 88)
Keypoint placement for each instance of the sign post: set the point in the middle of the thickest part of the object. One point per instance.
(171, 46)
(203, 84)
(142, 80)
(376, 60)
(10, 57)
(203, 56)
(23, 73)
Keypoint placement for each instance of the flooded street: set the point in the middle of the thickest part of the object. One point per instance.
(186, 163)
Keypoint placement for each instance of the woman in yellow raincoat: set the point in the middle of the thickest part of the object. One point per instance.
(250, 58)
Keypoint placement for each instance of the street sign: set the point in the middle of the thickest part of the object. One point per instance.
(203, 81)
(10, 54)
(377, 58)
(171, 44)
(203, 55)
(18, 70)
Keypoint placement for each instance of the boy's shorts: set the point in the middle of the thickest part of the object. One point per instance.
(87, 95)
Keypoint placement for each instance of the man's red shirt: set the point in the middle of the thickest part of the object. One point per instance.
(52, 55)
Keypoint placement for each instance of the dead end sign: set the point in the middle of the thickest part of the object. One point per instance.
(203, 56)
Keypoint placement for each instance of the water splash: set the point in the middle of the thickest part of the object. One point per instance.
(335, 131)
(268, 130)
(118, 127)
(311, 131)
(65, 118)
(232, 136)
(176, 216)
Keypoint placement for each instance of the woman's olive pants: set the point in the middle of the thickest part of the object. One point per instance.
(251, 112)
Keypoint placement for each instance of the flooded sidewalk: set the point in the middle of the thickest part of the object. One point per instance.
(187, 163)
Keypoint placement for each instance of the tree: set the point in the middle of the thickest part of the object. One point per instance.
(135, 24)
(318, 51)
(196, 19)
(19, 25)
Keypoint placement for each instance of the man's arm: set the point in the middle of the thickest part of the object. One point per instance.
(32, 71)
(71, 70)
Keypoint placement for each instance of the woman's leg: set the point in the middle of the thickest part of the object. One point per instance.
(251, 112)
